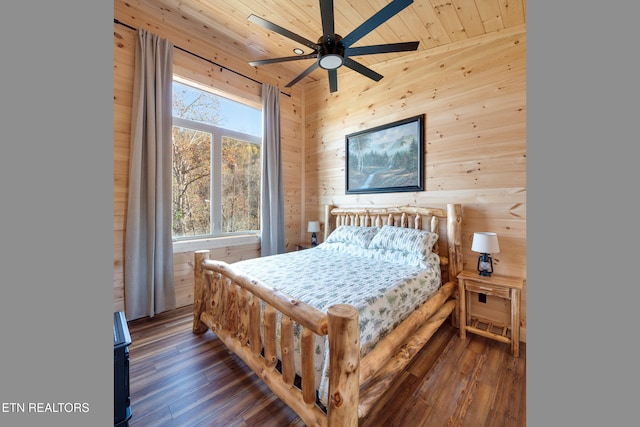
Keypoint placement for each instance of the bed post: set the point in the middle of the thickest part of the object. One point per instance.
(199, 284)
(328, 221)
(454, 236)
(344, 366)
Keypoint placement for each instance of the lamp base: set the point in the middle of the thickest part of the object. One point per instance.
(485, 265)
(314, 240)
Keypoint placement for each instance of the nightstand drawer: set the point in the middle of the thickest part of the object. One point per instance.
(483, 288)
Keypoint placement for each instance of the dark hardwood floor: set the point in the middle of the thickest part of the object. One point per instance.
(178, 378)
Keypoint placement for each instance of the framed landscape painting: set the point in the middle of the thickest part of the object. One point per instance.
(387, 158)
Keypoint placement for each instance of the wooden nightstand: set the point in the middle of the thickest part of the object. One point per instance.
(302, 245)
(500, 286)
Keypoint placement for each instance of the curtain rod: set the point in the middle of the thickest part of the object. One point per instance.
(201, 57)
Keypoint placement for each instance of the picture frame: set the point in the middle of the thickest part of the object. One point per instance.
(387, 158)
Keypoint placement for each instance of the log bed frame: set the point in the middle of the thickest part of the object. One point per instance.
(229, 303)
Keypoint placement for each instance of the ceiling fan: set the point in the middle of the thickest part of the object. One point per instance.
(332, 51)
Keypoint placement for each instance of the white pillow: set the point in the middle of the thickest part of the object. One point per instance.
(408, 246)
(350, 239)
(353, 235)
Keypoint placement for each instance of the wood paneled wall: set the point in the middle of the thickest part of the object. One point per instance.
(473, 95)
(186, 65)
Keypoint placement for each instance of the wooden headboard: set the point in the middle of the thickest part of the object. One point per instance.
(447, 223)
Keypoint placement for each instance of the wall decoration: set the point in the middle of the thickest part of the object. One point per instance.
(387, 158)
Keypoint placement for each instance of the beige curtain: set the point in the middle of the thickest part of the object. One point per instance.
(149, 287)
(272, 198)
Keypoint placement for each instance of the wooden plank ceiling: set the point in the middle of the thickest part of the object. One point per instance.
(433, 23)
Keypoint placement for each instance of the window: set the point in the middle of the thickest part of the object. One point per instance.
(216, 164)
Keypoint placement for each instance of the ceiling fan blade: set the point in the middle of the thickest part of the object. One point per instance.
(282, 31)
(333, 80)
(376, 20)
(302, 75)
(326, 13)
(356, 66)
(381, 48)
(286, 58)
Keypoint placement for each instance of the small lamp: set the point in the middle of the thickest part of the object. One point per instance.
(313, 228)
(485, 243)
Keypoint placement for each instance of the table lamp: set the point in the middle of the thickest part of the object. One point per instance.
(313, 228)
(485, 243)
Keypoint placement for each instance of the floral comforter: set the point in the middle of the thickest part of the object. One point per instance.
(383, 292)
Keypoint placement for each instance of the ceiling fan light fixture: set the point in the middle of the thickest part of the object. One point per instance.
(330, 61)
(298, 51)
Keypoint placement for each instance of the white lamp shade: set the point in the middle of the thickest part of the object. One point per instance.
(314, 226)
(485, 243)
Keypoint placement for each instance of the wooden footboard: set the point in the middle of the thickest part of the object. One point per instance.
(234, 305)
(229, 303)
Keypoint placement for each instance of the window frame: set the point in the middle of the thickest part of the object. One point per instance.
(217, 133)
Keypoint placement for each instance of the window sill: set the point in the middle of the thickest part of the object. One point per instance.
(215, 243)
